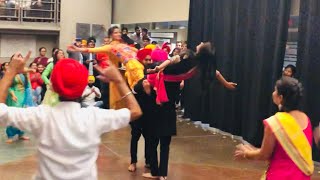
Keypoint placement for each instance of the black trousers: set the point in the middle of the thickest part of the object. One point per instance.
(180, 98)
(136, 132)
(105, 95)
(162, 168)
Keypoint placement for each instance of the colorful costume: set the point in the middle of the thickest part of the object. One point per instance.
(21, 88)
(50, 98)
(292, 156)
(121, 53)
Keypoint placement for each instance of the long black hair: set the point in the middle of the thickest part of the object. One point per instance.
(292, 91)
(207, 64)
(55, 58)
(293, 69)
(171, 55)
(3, 65)
(32, 63)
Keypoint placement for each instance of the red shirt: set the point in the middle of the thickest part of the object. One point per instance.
(41, 60)
(36, 80)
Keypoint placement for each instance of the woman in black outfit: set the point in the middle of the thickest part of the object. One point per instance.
(163, 125)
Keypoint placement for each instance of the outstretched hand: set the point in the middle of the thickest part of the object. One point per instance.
(154, 70)
(231, 85)
(242, 150)
(74, 48)
(18, 63)
(109, 74)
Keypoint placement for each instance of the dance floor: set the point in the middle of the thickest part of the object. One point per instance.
(195, 154)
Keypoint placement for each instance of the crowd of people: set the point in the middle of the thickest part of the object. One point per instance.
(31, 9)
(127, 65)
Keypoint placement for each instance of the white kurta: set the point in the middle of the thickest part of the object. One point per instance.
(91, 96)
(69, 136)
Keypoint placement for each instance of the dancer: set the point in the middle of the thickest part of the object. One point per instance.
(199, 71)
(138, 127)
(203, 64)
(19, 95)
(59, 127)
(118, 52)
(287, 140)
(50, 97)
(164, 121)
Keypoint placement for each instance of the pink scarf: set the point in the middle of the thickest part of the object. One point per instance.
(157, 81)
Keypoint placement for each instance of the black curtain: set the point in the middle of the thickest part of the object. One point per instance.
(308, 63)
(250, 38)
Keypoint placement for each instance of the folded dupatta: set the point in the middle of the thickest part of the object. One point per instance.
(291, 137)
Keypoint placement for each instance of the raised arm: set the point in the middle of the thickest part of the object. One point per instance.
(102, 49)
(16, 66)
(23, 118)
(5, 84)
(111, 73)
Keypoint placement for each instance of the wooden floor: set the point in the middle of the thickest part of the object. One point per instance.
(195, 154)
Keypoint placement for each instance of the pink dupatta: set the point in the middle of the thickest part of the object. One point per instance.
(157, 81)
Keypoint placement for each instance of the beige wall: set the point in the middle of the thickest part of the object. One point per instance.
(182, 33)
(140, 11)
(295, 5)
(82, 11)
(23, 43)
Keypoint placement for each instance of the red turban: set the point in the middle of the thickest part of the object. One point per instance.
(69, 78)
(143, 53)
(159, 55)
(167, 47)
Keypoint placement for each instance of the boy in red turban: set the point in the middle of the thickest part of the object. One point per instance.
(69, 136)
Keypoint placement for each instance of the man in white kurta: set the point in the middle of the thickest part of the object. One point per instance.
(69, 136)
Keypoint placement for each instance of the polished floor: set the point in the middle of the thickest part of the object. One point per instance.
(195, 154)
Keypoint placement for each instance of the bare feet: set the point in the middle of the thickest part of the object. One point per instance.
(9, 141)
(163, 178)
(149, 176)
(132, 167)
(24, 138)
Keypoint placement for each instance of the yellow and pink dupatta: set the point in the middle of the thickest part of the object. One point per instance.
(291, 137)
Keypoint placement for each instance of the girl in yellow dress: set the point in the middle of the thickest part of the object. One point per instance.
(118, 52)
